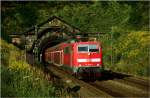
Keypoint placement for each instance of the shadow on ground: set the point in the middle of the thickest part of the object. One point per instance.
(107, 75)
(110, 75)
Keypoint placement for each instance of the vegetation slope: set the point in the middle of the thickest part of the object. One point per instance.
(18, 78)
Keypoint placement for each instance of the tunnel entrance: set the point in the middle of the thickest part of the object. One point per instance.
(49, 42)
(48, 34)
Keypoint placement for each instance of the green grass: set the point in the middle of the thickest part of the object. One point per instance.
(19, 79)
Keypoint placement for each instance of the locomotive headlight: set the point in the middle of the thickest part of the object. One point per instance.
(97, 64)
(79, 65)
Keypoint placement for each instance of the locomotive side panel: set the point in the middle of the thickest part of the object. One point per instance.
(68, 57)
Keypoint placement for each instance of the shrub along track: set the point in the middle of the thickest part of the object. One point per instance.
(110, 85)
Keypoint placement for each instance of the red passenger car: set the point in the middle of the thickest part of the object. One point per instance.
(83, 59)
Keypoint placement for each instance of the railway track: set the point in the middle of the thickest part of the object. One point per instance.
(85, 90)
(113, 87)
(121, 85)
(118, 89)
(110, 85)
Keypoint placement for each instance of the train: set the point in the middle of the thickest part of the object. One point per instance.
(82, 59)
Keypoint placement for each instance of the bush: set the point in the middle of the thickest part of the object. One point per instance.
(127, 52)
(133, 49)
(19, 79)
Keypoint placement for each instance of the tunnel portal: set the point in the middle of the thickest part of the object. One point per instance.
(47, 34)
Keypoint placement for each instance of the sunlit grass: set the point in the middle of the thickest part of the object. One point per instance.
(19, 79)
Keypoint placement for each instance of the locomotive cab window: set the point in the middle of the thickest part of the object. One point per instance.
(93, 48)
(82, 48)
(88, 48)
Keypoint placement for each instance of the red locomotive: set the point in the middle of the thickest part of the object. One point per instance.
(82, 59)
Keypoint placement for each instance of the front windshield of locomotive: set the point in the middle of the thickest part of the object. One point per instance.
(83, 48)
(88, 48)
(93, 48)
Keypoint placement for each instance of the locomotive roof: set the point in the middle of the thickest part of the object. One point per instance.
(68, 43)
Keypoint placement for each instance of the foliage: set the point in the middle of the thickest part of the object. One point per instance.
(18, 79)
(5, 37)
(88, 16)
(125, 24)
(132, 53)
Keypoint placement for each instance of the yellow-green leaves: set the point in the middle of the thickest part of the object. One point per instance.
(12, 57)
(19, 79)
(133, 48)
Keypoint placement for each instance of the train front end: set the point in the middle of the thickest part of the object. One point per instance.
(88, 60)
